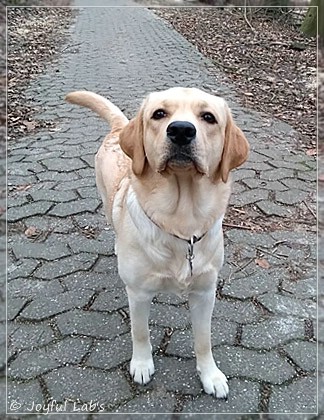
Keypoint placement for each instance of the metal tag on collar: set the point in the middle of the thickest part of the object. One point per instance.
(190, 255)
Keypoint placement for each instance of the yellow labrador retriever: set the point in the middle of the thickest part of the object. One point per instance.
(164, 181)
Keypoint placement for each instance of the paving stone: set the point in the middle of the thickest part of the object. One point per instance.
(44, 155)
(23, 397)
(86, 172)
(19, 181)
(272, 209)
(255, 239)
(64, 164)
(87, 220)
(272, 332)
(22, 169)
(52, 195)
(305, 288)
(89, 159)
(301, 395)
(14, 307)
(170, 299)
(103, 264)
(22, 268)
(15, 158)
(169, 316)
(263, 365)
(94, 281)
(24, 336)
(181, 343)
(256, 166)
(176, 375)
(111, 353)
(88, 192)
(102, 387)
(30, 288)
(300, 238)
(17, 201)
(75, 207)
(79, 243)
(58, 176)
(256, 157)
(292, 196)
(300, 185)
(278, 174)
(31, 209)
(250, 286)
(236, 311)
(249, 197)
(76, 183)
(30, 364)
(282, 163)
(47, 306)
(279, 304)
(268, 185)
(307, 176)
(50, 223)
(66, 265)
(157, 401)
(304, 354)
(91, 324)
(243, 174)
(107, 235)
(243, 398)
(27, 249)
(110, 300)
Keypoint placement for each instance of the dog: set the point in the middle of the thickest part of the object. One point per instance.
(164, 179)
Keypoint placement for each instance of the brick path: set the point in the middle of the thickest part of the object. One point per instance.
(69, 332)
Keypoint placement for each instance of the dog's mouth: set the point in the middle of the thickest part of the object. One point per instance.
(180, 161)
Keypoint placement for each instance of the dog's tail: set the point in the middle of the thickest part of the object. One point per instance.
(102, 106)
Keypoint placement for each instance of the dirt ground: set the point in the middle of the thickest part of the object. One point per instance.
(272, 65)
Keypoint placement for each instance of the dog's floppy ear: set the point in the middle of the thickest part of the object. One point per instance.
(131, 141)
(235, 151)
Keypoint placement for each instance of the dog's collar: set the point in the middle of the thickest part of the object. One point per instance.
(194, 239)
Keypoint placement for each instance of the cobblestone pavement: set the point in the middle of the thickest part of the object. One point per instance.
(68, 324)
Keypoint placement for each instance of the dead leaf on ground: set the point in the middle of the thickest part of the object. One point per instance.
(31, 232)
(261, 262)
(24, 187)
(311, 152)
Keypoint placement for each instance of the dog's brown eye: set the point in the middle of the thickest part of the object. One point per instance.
(209, 117)
(158, 114)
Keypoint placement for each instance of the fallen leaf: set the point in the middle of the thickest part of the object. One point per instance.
(24, 187)
(262, 263)
(31, 232)
(311, 152)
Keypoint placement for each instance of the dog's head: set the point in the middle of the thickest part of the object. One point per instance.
(184, 129)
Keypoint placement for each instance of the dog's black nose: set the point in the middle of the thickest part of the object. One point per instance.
(181, 132)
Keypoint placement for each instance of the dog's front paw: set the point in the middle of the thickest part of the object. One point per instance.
(215, 383)
(142, 370)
